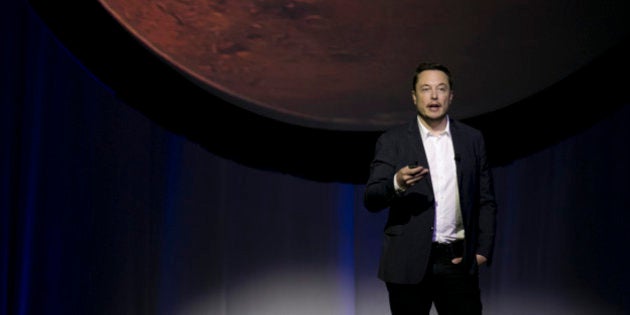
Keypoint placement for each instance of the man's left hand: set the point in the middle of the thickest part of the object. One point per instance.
(480, 260)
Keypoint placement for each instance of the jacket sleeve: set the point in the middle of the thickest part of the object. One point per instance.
(487, 206)
(379, 191)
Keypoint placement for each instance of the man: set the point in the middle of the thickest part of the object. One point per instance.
(434, 177)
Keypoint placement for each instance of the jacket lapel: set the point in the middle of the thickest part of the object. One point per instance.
(458, 149)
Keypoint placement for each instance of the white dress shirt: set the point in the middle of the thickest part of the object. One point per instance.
(443, 171)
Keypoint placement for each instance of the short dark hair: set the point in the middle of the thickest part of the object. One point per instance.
(431, 66)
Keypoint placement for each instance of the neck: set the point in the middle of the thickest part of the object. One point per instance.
(434, 125)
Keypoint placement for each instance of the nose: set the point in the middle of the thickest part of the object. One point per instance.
(434, 95)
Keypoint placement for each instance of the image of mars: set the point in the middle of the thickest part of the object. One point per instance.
(348, 64)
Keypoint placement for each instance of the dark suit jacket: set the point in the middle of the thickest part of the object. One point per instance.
(409, 227)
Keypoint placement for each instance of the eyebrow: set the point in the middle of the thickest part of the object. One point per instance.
(427, 85)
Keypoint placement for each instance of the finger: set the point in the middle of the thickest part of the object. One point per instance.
(414, 179)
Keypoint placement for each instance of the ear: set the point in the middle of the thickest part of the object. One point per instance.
(413, 96)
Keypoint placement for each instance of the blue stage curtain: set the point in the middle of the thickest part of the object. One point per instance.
(104, 212)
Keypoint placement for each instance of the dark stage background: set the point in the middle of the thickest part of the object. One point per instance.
(106, 210)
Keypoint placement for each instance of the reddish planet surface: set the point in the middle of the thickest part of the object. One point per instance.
(348, 64)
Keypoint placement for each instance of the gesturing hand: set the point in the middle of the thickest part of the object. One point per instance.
(410, 175)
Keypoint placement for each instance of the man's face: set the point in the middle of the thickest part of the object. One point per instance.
(433, 95)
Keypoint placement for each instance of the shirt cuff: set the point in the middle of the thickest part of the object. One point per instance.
(399, 190)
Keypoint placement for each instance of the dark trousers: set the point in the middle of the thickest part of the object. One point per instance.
(451, 287)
